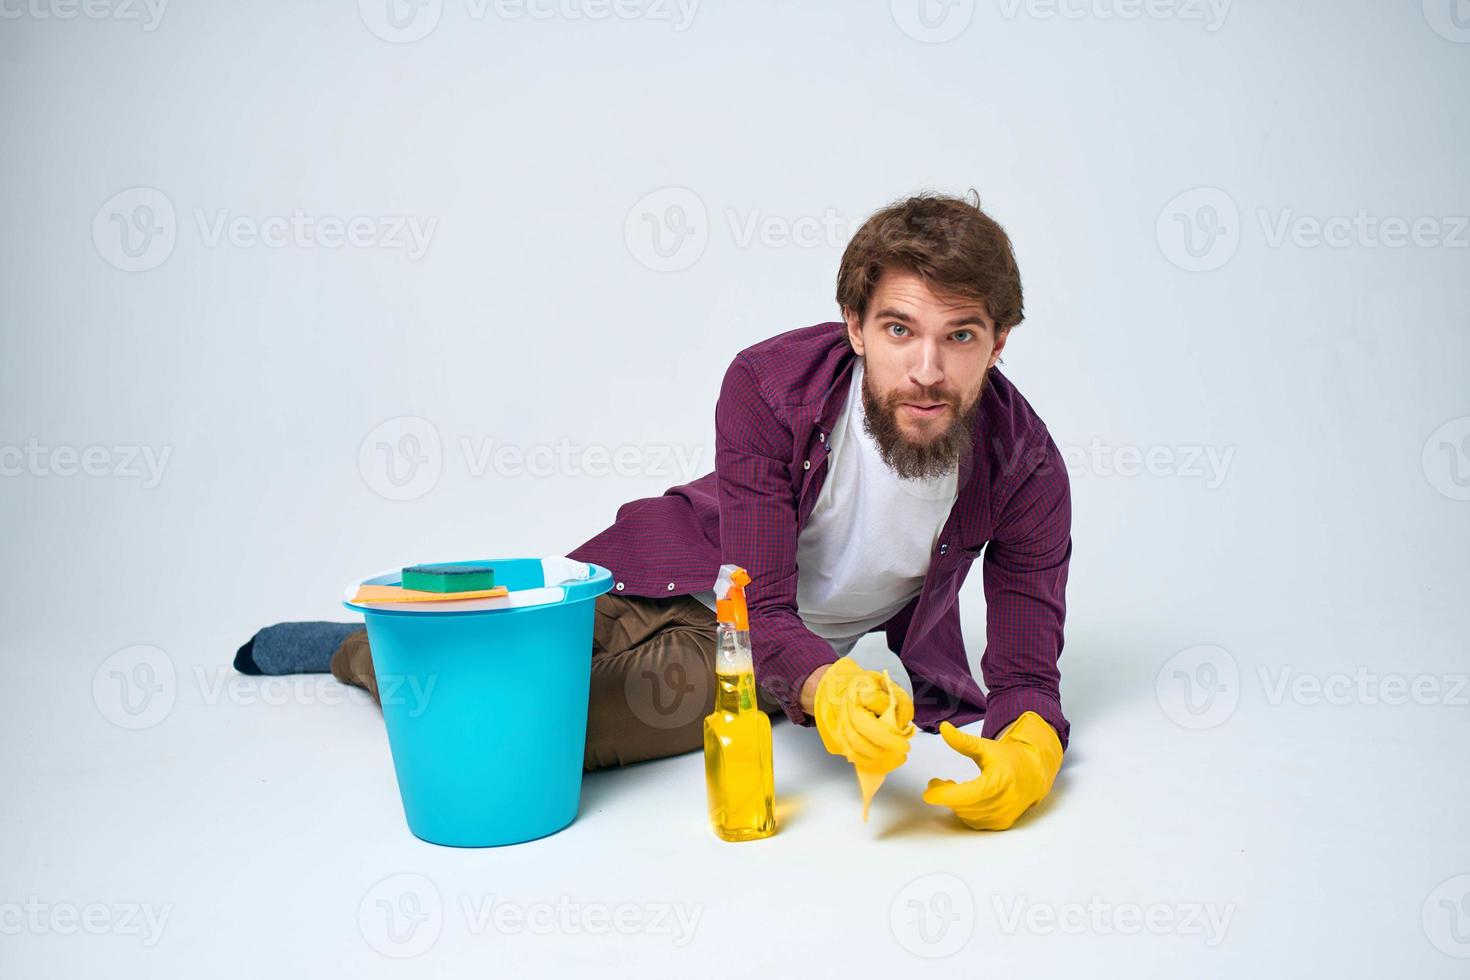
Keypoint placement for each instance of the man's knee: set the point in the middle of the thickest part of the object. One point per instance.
(650, 701)
(353, 663)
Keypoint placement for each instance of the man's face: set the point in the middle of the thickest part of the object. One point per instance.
(925, 357)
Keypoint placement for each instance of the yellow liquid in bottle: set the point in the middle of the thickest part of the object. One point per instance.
(737, 761)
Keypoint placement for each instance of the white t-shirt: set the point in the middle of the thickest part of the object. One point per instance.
(865, 549)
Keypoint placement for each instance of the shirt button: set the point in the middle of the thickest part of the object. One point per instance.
(806, 464)
(943, 548)
(619, 586)
(671, 586)
(821, 437)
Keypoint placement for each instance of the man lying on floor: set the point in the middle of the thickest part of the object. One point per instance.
(860, 467)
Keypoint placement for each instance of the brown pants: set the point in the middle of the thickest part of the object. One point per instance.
(653, 678)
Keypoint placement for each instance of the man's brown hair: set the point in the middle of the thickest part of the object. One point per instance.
(956, 248)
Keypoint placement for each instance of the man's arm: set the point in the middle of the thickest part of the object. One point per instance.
(753, 450)
(1025, 577)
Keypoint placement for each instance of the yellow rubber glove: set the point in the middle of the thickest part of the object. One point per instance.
(866, 718)
(1016, 771)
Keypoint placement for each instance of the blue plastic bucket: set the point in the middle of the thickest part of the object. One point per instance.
(486, 708)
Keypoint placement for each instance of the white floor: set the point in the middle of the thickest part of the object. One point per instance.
(253, 828)
(1261, 395)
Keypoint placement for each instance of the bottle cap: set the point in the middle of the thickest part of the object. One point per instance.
(730, 597)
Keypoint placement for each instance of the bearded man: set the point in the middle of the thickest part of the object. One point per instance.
(861, 467)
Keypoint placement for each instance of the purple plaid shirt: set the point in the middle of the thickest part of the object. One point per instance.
(778, 403)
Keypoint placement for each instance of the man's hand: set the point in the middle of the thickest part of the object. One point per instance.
(867, 719)
(809, 689)
(808, 693)
(1016, 771)
(863, 716)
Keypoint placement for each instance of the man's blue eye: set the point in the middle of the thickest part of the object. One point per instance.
(965, 332)
(896, 326)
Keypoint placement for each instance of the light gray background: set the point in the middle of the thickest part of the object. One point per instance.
(1327, 547)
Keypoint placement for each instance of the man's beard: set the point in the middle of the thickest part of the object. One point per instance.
(919, 461)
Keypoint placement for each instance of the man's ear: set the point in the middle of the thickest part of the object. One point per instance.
(1000, 345)
(854, 330)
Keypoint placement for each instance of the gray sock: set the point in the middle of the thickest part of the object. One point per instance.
(293, 648)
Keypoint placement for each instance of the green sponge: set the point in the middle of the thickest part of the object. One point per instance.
(460, 577)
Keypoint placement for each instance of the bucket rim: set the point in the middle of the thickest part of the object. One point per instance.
(598, 582)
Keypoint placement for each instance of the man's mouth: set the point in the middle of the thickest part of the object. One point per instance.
(925, 409)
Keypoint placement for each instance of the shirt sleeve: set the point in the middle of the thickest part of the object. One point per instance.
(1025, 577)
(753, 452)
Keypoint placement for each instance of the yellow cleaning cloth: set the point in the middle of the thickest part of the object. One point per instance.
(870, 779)
(394, 593)
(867, 719)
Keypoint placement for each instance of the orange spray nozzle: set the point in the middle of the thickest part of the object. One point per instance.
(730, 597)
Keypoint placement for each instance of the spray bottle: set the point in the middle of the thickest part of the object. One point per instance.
(737, 734)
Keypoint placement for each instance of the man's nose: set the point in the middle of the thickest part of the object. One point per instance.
(926, 371)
